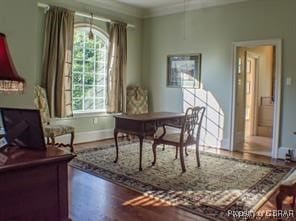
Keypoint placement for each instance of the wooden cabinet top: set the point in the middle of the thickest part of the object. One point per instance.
(17, 158)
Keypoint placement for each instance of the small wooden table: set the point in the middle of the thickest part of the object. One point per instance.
(142, 125)
(34, 184)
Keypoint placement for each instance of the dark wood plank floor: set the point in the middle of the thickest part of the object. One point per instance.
(95, 199)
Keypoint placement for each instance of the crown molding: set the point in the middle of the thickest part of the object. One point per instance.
(190, 5)
(129, 10)
(115, 6)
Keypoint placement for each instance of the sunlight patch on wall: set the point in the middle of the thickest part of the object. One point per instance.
(213, 123)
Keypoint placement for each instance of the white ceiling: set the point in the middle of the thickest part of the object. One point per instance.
(152, 8)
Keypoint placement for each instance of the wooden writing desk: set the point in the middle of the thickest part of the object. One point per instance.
(143, 125)
(34, 184)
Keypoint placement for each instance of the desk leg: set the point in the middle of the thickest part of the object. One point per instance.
(116, 145)
(141, 150)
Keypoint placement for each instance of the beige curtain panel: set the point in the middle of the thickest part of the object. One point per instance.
(116, 77)
(57, 60)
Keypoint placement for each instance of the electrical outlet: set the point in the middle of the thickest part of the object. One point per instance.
(288, 81)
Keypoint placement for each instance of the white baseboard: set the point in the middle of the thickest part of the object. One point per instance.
(225, 144)
(88, 136)
(282, 152)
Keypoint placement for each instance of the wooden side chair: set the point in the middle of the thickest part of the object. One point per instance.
(51, 131)
(188, 135)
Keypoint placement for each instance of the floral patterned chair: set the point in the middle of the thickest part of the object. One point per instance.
(51, 131)
(136, 100)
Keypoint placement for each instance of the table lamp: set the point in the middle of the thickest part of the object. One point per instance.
(10, 81)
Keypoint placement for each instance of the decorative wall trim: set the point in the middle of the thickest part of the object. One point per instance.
(167, 9)
(115, 7)
(89, 136)
(190, 5)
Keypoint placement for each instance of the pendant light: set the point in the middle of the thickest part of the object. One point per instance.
(91, 34)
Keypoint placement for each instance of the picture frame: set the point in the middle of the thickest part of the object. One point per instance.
(184, 71)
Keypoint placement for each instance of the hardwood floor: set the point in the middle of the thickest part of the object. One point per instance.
(258, 145)
(95, 199)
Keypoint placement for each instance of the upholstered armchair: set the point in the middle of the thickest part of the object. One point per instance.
(136, 100)
(51, 131)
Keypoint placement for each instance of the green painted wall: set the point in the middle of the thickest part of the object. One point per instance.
(211, 32)
(23, 23)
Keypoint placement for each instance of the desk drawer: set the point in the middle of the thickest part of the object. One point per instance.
(135, 127)
(174, 122)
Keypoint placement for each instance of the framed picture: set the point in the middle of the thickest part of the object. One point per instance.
(184, 70)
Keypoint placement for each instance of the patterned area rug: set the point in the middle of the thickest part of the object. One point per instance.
(220, 185)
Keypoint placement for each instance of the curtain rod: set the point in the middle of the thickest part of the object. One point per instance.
(47, 7)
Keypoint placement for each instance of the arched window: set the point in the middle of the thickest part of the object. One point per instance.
(89, 70)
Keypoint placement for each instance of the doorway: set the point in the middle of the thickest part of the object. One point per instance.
(256, 97)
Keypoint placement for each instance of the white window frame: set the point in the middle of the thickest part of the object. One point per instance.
(105, 36)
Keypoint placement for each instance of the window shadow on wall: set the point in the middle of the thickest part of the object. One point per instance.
(213, 123)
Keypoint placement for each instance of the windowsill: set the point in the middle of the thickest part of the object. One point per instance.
(93, 114)
(86, 115)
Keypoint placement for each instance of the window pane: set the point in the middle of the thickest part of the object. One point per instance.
(100, 56)
(89, 54)
(77, 78)
(100, 103)
(100, 44)
(77, 92)
(89, 66)
(77, 104)
(78, 66)
(78, 52)
(89, 79)
(89, 91)
(78, 39)
(88, 104)
(100, 79)
(89, 43)
(100, 92)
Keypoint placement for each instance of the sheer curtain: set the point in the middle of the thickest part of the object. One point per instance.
(57, 60)
(116, 77)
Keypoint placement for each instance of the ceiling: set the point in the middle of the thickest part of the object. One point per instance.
(152, 8)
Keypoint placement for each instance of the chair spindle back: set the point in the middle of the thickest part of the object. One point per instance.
(193, 119)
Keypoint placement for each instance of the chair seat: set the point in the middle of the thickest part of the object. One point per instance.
(57, 130)
(174, 138)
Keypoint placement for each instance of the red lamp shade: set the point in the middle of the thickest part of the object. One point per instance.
(10, 81)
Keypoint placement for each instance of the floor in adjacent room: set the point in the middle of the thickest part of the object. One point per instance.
(258, 145)
(95, 199)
